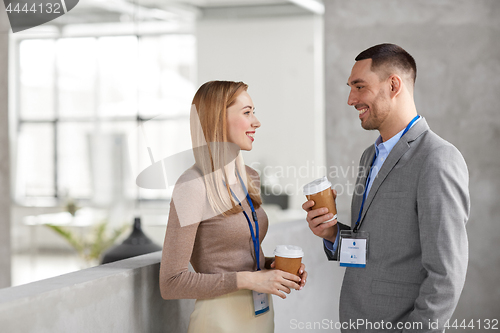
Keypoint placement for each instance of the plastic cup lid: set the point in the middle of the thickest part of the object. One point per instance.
(316, 186)
(288, 251)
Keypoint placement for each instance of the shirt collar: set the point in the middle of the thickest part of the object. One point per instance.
(389, 144)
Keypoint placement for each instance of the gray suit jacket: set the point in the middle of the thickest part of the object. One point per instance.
(415, 214)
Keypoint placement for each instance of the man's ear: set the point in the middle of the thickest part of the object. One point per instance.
(395, 85)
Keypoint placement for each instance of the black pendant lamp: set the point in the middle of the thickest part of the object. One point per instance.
(135, 245)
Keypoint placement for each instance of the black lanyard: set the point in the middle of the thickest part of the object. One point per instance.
(356, 227)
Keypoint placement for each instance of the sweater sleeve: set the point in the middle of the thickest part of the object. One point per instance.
(176, 281)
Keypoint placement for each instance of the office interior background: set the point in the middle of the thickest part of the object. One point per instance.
(83, 97)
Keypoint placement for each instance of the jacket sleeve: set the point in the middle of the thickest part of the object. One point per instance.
(443, 210)
(329, 254)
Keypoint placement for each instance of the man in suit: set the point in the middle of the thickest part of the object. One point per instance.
(415, 207)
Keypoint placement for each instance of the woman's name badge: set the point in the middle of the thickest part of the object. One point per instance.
(260, 303)
(353, 248)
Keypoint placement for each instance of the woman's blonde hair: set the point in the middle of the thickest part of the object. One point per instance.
(212, 151)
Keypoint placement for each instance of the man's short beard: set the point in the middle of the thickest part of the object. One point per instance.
(373, 121)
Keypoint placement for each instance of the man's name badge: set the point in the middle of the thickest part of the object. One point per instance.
(353, 248)
(260, 303)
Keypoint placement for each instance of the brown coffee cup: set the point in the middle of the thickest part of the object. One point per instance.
(288, 258)
(320, 192)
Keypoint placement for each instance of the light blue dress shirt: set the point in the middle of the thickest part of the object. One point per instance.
(382, 150)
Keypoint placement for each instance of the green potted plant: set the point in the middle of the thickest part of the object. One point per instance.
(90, 246)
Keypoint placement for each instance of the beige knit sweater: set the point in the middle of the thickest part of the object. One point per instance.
(217, 247)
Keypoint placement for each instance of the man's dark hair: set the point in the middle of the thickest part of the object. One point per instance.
(390, 55)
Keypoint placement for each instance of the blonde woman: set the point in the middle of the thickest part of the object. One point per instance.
(216, 222)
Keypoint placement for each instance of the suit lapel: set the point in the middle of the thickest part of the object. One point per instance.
(401, 147)
(365, 165)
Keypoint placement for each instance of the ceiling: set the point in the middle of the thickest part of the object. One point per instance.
(222, 3)
(98, 11)
(89, 16)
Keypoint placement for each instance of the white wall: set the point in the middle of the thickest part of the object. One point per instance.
(281, 61)
(5, 250)
(315, 308)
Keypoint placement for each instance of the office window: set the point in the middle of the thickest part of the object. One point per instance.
(81, 102)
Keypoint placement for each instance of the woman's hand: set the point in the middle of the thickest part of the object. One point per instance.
(269, 281)
(302, 274)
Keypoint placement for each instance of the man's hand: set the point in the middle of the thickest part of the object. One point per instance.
(316, 219)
